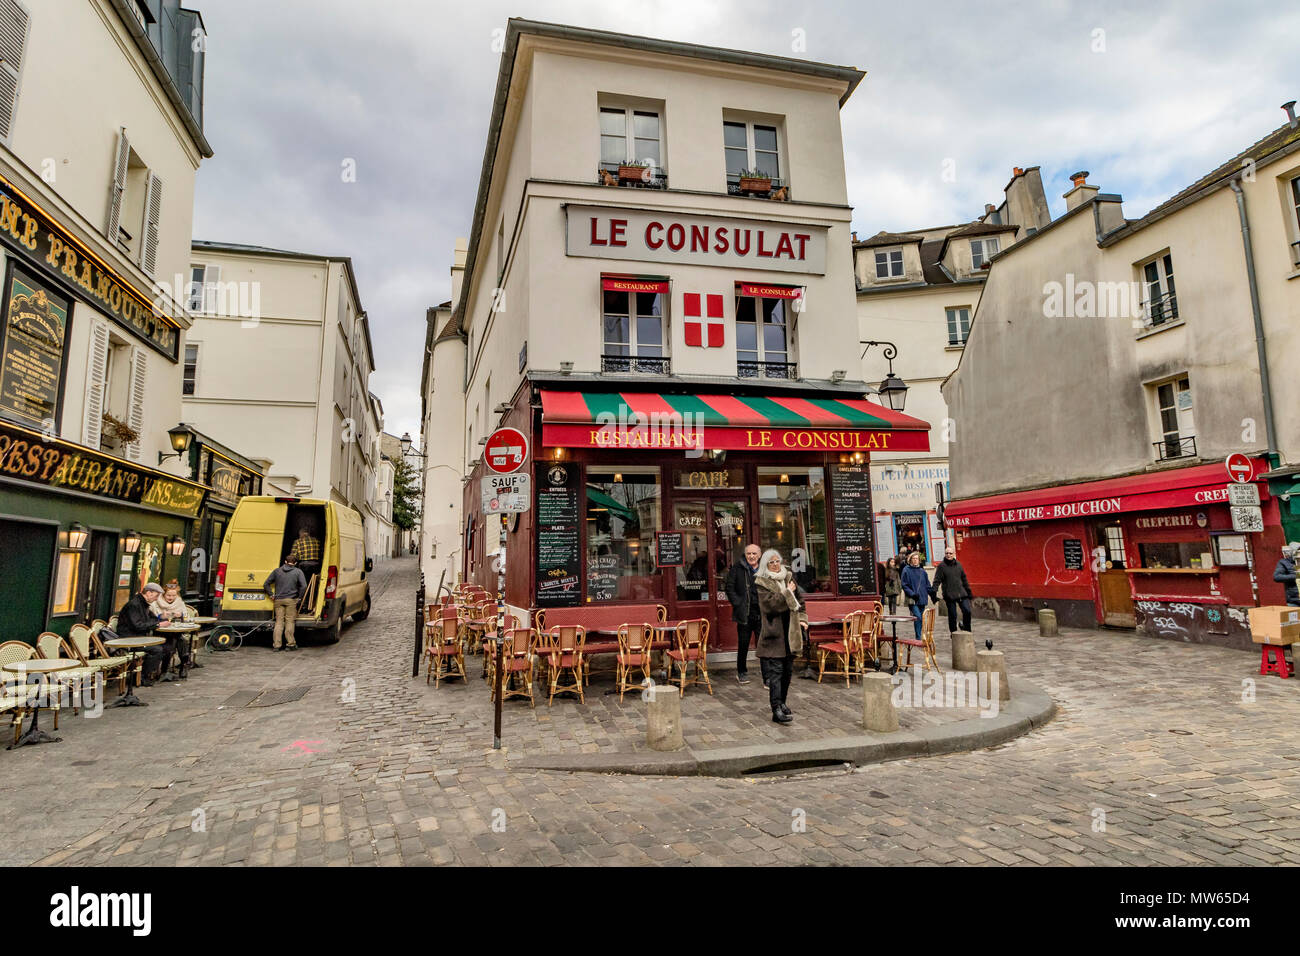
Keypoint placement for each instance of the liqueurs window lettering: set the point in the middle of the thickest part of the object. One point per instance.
(622, 518)
(792, 519)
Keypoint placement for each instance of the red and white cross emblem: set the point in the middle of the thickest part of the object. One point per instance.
(695, 323)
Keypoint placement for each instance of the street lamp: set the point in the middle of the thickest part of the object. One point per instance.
(892, 388)
(130, 541)
(77, 533)
(180, 437)
(405, 442)
(176, 545)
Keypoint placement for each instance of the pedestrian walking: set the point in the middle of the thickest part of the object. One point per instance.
(285, 585)
(1285, 574)
(742, 593)
(893, 586)
(916, 588)
(950, 578)
(781, 633)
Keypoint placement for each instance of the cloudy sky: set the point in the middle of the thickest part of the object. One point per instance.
(1147, 96)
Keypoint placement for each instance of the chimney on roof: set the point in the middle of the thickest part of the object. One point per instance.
(1026, 203)
(1289, 106)
(855, 235)
(1080, 192)
(1016, 171)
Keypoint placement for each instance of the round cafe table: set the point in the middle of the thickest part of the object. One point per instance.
(205, 624)
(40, 668)
(134, 646)
(179, 627)
(894, 620)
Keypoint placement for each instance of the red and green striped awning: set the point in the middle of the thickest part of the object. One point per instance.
(651, 420)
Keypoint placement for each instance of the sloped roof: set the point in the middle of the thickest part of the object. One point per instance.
(887, 239)
(1278, 139)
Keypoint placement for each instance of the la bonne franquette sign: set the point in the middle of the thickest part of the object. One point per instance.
(606, 232)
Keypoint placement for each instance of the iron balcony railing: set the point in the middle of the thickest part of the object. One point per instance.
(657, 178)
(1162, 309)
(634, 363)
(1175, 448)
(1295, 252)
(733, 188)
(766, 370)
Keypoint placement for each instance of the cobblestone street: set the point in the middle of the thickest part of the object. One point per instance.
(1154, 757)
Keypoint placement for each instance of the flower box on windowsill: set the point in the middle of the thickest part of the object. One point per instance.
(756, 184)
(629, 174)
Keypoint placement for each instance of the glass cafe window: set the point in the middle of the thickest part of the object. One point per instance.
(622, 518)
(792, 519)
(1177, 554)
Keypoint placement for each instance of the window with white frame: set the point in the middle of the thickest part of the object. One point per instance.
(751, 146)
(763, 338)
(1159, 295)
(190, 372)
(889, 263)
(1174, 421)
(633, 332)
(630, 135)
(1295, 216)
(958, 324)
(982, 250)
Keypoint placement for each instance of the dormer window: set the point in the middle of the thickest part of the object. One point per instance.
(889, 263)
(981, 251)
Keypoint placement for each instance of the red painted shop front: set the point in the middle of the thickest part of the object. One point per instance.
(786, 473)
(1156, 552)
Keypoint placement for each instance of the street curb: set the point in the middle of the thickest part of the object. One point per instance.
(1030, 709)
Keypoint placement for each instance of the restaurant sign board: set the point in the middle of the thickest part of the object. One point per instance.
(648, 235)
(27, 457)
(31, 350)
(684, 437)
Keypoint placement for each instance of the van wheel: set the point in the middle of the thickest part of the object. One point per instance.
(365, 609)
(331, 634)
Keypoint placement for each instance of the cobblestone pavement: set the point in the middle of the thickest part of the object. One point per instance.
(1156, 756)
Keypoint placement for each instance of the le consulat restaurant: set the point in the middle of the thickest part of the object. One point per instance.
(679, 346)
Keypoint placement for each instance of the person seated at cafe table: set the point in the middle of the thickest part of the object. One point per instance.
(171, 606)
(137, 619)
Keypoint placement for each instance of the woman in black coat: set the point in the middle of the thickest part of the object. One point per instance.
(781, 635)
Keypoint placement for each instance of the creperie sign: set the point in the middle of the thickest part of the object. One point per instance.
(1181, 497)
(651, 236)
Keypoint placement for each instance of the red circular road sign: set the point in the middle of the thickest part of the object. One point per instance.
(506, 451)
(1240, 468)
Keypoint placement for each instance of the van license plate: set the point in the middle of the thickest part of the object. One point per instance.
(248, 595)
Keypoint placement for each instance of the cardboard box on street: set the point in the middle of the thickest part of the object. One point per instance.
(1275, 624)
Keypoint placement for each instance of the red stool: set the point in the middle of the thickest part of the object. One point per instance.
(1278, 663)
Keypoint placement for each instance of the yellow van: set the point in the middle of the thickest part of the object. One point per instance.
(262, 532)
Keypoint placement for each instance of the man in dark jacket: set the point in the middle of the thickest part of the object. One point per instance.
(285, 585)
(950, 576)
(137, 619)
(1284, 573)
(744, 607)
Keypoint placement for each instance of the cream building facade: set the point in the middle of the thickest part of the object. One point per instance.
(918, 290)
(279, 361)
(101, 135)
(1133, 357)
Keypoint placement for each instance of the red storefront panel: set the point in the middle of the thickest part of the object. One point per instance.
(1024, 560)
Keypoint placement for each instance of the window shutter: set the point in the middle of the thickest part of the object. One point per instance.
(13, 38)
(152, 213)
(135, 401)
(98, 367)
(119, 186)
(211, 296)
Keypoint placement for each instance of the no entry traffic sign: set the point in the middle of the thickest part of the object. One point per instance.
(1240, 468)
(506, 451)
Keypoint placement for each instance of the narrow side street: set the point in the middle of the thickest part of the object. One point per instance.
(1157, 761)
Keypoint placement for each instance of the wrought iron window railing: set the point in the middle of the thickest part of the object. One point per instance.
(786, 370)
(634, 363)
(1162, 309)
(656, 179)
(1175, 448)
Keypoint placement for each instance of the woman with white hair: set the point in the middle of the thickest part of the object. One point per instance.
(780, 636)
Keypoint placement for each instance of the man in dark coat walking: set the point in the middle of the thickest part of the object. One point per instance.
(744, 607)
(950, 576)
(1285, 574)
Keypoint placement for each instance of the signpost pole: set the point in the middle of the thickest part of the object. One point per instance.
(501, 633)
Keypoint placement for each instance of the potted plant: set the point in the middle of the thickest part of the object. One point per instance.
(634, 171)
(753, 181)
(119, 431)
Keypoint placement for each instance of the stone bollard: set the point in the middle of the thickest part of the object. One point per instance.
(878, 711)
(963, 651)
(988, 663)
(664, 717)
(1047, 623)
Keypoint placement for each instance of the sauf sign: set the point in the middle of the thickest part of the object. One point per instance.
(649, 236)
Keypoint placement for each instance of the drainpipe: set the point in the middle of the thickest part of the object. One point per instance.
(1261, 346)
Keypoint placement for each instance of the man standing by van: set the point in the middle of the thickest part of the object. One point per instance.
(285, 585)
(306, 551)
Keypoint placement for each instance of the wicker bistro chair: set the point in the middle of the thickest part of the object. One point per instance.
(846, 653)
(51, 646)
(564, 652)
(81, 638)
(518, 664)
(444, 651)
(487, 641)
(633, 654)
(926, 643)
(16, 695)
(692, 648)
(135, 661)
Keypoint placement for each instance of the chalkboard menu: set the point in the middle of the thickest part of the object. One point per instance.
(559, 562)
(668, 549)
(855, 566)
(1073, 554)
(31, 362)
(603, 573)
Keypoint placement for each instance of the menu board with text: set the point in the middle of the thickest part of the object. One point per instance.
(31, 358)
(855, 565)
(559, 561)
